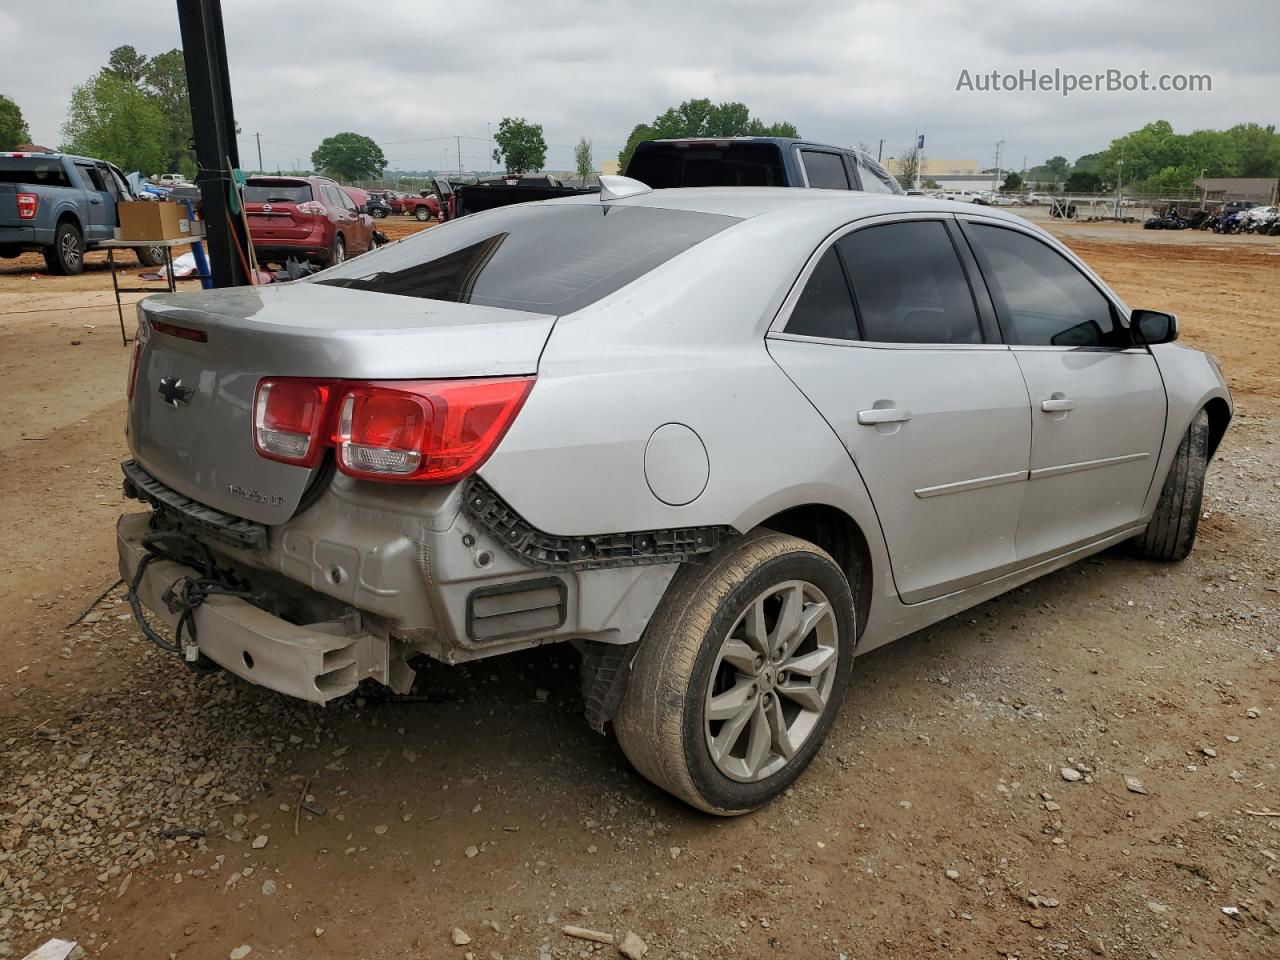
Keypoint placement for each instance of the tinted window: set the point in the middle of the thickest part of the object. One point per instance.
(344, 199)
(825, 170)
(909, 285)
(663, 165)
(40, 173)
(91, 178)
(257, 192)
(542, 258)
(825, 308)
(108, 182)
(1042, 299)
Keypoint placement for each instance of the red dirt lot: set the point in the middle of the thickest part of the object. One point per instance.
(935, 821)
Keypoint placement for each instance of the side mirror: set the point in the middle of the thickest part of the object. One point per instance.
(1153, 326)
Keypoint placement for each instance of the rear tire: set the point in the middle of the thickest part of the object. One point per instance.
(1172, 531)
(379, 213)
(422, 214)
(703, 652)
(338, 253)
(66, 256)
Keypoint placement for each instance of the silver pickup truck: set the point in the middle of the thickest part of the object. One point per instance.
(62, 206)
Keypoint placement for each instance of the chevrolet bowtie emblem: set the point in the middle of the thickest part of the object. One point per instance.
(174, 393)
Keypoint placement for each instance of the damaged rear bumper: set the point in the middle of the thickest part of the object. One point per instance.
(316, 661)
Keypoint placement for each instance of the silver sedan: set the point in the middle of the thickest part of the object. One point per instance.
(721, 440)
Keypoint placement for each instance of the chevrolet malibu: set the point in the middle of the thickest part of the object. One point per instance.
(720, 440)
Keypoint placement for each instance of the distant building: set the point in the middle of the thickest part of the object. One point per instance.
(963, 181)
(1261, 190)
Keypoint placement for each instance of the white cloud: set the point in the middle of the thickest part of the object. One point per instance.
(413, 75)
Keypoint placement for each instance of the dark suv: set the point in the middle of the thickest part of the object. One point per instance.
(305, 218)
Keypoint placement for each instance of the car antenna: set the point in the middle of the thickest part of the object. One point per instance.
(616, 188)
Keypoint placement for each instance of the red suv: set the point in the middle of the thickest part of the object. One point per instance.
(306, 218)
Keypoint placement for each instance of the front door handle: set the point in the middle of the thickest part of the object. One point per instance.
(1057, 403)
(883, 415)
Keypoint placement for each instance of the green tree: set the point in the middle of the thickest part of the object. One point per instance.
(1257, 150)
(13, 128)
(582, 159)
(111, 119)
(931, 184)
(166, 82)
(349, 156)
(702, 118)
(1057, 168)
(1012, 182)
(907, 163)
(1083, 181)
(521, 147)
(127, 64)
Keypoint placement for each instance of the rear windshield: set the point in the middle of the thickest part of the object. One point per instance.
(662, 165)
(277, 192)
(40, 173)
(540, 258)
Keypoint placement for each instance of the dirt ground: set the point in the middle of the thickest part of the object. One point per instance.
(149, 813)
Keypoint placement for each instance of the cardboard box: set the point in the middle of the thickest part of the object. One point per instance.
(152, 220)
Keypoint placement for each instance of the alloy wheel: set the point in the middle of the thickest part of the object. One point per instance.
(70, 250)
(772, 681)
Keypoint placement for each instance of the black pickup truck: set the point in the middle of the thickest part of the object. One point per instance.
(756, 162)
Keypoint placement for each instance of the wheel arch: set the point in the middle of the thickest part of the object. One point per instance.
(839, 535)
(1219, 418)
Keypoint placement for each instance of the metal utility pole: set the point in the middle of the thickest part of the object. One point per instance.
(258, 137)
(213, 125)
(458, 141)
(995, 179)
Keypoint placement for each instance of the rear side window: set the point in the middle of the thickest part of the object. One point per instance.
(37, 173)
(1042, 299)
(541, 258)
(825, 308)
(277, 192)
(909, 285)
(825, 170)
(92, 178)
(663, 165)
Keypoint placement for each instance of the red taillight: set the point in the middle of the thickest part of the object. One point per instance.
(424, 432)
(28, 203)
(133, 364)
(312, 207)
(289, 417)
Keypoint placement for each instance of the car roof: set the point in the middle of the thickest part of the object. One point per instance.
(815, 204)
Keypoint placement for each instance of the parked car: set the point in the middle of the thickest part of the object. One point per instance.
(62, 206)
(756, 162)
(421, 207)
(631, 421)
(377, 207)
(305, 218)
(171, 180)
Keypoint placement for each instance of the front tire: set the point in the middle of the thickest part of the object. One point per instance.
(150, 256)
(66, 256)
(740, 674)
(422, 214)
(1172, 531)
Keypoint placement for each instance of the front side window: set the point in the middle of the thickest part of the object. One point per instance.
(1042, 299)
(553, 258)
(909, 285)
(825, 170)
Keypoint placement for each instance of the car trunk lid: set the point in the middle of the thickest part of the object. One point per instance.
(203, 354)
(279, 209)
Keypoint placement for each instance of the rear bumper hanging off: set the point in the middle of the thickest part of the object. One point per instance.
(316, 661)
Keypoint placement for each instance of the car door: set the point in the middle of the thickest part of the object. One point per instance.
(99, 208)
(932, 410)
(359, 228)
(1098, 404)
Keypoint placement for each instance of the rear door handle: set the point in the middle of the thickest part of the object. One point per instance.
(1058, 403)
(883, 415)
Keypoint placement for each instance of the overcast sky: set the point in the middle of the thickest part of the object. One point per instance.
(413, 74)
